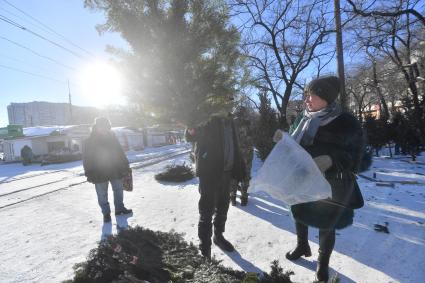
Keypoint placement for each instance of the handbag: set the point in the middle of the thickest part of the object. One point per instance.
(345, 190)
(127, 181)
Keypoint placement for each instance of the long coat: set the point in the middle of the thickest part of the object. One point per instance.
(209, 150)
(103, 158)
(342, 139)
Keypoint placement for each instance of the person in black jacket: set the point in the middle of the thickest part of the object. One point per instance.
(27, 155)
(335, 141)
(104, 161)
(218, 160)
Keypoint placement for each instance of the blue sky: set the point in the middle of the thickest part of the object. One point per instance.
(66, 17)
(48, 79)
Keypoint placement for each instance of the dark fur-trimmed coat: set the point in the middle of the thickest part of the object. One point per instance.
(342, 139)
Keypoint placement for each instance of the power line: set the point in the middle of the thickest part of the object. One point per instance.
(21, 61)
(36, 53)
(40, 75)
(26, 20)
(33, 74)
(48, 28)
(11, 22)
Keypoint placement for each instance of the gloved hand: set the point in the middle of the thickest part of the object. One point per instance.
(191, 131)
(278, 135)
(323, 162)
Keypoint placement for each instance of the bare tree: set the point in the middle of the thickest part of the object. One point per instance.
(282, 39)
(390, 12)
(396, 37)
(376, 83)
(360, 90)
(393, 38)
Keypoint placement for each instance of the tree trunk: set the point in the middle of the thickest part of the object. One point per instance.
(360, 113)
(284, 107)
(379, 92)
(340, 54)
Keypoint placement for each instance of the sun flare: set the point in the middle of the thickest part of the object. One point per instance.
(102, 84)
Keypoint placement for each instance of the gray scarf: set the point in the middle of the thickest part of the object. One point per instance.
(307, 128)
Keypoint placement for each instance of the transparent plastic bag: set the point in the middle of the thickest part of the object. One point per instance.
(289, 174)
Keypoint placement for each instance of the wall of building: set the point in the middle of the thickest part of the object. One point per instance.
(157, 140)
(135, 141)
(39, 113)
(39, 146)
(12, 148)
(52, 140)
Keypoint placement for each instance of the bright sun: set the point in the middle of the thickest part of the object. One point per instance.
(102, 84)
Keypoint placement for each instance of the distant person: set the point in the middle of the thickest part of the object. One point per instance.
(246, 145)
(105, 162)
(75, 147)
(27, 155)
(218, 161)
(335, 141)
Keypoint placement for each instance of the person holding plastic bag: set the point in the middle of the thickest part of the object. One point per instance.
(293, 179)
(334, 139)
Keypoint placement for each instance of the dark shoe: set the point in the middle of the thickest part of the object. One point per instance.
(233, 200)
(205, 251)
(299, 251)
(124, 211)
(106, 218)
(244, 201)
(322, 270)
(302, 248)
(222, 243)
(326, 245)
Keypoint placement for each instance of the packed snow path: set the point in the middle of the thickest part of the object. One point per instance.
(26, 187)
(42, 238)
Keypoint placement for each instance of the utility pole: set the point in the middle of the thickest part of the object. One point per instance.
(70, 104)
(340, 54)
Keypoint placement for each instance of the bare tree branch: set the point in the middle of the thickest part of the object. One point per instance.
(396, 13)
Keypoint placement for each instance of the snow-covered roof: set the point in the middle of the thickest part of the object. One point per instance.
(124, 130)
(45, 130)
(41, 131)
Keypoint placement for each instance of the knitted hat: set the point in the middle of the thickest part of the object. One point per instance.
(327, 88)
(102, 122)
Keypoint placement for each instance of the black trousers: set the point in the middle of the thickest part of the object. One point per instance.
(214, 201)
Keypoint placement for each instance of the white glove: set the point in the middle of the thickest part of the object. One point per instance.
(278, 135)
(323, 162)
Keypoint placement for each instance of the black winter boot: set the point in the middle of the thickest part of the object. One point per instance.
(222, 243)
(205, 251)
(244, 200)
(244, 196)
(302, 248)
(322, 270)
(326, 245)
(233, 200)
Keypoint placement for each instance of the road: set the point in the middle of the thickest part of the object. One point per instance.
(32, 185)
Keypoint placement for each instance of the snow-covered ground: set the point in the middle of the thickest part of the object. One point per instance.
(11, 172)
(43, 238)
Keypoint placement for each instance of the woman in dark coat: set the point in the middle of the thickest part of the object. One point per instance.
(335, 141)
(105, 162)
